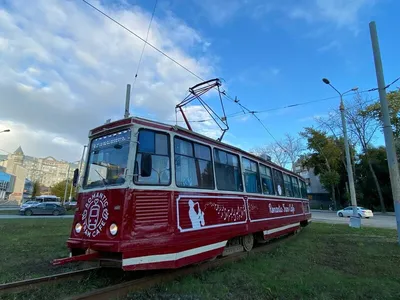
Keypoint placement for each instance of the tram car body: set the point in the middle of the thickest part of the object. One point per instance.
(156, 196)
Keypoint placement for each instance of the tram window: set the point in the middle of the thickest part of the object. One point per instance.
(266, 180)
(288, 186)
(193, 165)
(296, 188)
(278, 181)
(152, 164)
(303, 189)
(251, 178)
(227, 171)
(161, 144)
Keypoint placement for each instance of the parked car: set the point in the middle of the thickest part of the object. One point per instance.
(70, 204)
(47, 198)
(47, 208)
(362, 212)
(28, 203)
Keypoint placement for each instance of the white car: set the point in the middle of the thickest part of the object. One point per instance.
(362, 212)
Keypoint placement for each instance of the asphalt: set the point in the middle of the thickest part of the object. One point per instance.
(378, 220)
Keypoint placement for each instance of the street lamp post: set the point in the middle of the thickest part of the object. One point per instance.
(355, 220)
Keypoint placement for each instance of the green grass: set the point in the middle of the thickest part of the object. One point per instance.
(28, 247)
(323, 262)
(9, 212)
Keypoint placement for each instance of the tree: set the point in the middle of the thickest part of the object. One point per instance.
(294, 147)
(366, 188)
(361, 128)
(59, 189)
(324, 157)
(36, 189)
(374, 110)
(333, 124)
(364, 126)
(283, 152)
(393, 99)
(278, 156)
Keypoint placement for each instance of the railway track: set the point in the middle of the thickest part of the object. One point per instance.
(27, 284)
(122, 289)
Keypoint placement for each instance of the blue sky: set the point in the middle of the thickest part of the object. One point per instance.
(74, 64)
(303, 55)
(271, 58)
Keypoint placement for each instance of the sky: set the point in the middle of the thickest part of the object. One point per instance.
(64, 67)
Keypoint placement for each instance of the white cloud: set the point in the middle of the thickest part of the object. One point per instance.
(64, 70)
(313, 118)
(256, 75)
(39, 143)
(342, 13)
(220, 12)
(333, 45)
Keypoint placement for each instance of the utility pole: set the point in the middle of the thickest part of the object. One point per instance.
(70, 192)
(387, 127)
(355, 220)
(66, 186)
(127, 100)
(80, 166)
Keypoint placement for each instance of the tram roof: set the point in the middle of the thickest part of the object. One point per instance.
(168, 127)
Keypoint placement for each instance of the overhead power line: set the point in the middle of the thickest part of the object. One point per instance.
(144, 44)
(142, 39)
(235, 100)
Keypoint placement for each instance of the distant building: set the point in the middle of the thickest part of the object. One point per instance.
(317, 194)
(28, 189)
(47, 171)
(6, 185)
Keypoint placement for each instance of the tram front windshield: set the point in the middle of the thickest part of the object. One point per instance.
(108, 158)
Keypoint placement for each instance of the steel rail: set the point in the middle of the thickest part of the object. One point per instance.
(24, 285)
(122, 289)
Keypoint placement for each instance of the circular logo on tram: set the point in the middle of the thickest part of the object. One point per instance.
(95, 214)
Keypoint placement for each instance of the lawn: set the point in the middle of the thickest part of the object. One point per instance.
(9, 212)
(323, 262)
(28, 247)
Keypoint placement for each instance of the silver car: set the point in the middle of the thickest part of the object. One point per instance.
(28, 203)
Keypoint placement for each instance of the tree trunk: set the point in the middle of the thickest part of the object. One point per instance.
(338, 199)
(333, 194)
(378, 188)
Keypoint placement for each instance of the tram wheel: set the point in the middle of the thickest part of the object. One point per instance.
(248, 242)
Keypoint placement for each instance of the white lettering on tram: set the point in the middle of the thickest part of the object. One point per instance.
(95, 214)
(281, 208)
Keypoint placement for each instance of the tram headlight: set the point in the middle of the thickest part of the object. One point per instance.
(78, 227)
(113, 229)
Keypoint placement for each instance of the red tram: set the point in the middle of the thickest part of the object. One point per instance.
(155, 196)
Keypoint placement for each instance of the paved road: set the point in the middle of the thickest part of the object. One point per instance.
(317, 216)
(2, 217)
(378, 220)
